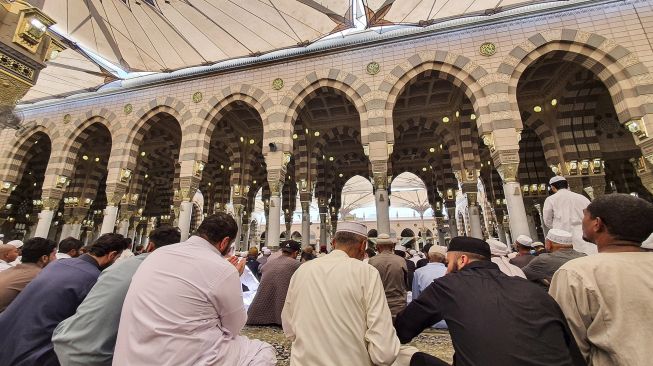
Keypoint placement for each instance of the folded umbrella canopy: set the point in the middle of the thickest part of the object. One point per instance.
(165, 35)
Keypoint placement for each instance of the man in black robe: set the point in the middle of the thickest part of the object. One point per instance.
(489, 315)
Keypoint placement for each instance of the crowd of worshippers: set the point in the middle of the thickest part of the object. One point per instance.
(559, 303)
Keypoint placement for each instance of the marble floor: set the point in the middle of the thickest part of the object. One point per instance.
(435, 342)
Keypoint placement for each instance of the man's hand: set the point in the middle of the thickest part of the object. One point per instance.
(239, 263)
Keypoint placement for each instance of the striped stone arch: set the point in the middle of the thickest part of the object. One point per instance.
(458, 69)
(627, 79)
(63, 160)
(144, 119)
(546, 137)
(282, 121)
(14, 163)
(200, 130)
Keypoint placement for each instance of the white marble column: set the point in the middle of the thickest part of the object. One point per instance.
(501, 233)
(516, 209)
(66, 229)
(76, 230)
(43, 226)
(123, 227)
(306, 224)
(382, 203)
(274, 226)
(323, 230)
(109, 220)
(185, 211)
(453, 225)
(476, 230)
(238, 216)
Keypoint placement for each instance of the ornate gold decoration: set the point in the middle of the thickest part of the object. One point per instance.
(380, 180)
(197, 97)
(125, 175)
(277, 84)
(488, 49)
(67, 118)
(32, 29)
(373, 68)
(62, 181)
(6, 187)
(286, 159)
(636, 127)
(17, 67)
(275, 188)
(508, 172)
(50, 203)
(198, 168)
(128, 108)
(488, 140)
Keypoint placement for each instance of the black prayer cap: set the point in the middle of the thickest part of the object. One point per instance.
(290, 246)
(470, 245)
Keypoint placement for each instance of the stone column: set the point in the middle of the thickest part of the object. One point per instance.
(382, 202)
(476, 230)
(66, 229)
(597, 183)
(185, 212)
(500, 232)
(277, 162)
(109, 220)
(44, 223)
(238, 216)
(453, 225)
(323, 226)
(123, 226)
(644, 169)
(274, 225)
(76, 230)
(306, 223)
(514, 200)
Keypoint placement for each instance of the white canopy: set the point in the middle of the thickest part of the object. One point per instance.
(164, 35)
(426, 12)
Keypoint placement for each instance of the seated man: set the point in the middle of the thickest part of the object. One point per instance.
(89, 337)
(354, 326)
(8, 254)
(54, 295)
(487, 312)
(437, 255)
(500, 253)
(69, 248)
(560, 245)
(37, 253)
(268, 303)
(185, 305)
(523, 245)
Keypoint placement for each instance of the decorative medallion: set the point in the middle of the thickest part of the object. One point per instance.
(488, 49)
(373, 68)
(67, 118)
(277, 84)
(197, 97)
(128, 108)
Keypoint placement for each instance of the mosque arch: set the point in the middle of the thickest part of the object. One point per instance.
(16, 159)
(618, 68)
(457, 69)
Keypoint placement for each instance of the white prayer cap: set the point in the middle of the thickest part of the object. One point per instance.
(497, 247)
(525, 240)
(648, 243)
(559, 236)
(400, 248)
(438, 249)
(17, 243)
(538, 244)
(352, 227)
(557, 178)
(384, 239)
(412, 252)
(266, 251)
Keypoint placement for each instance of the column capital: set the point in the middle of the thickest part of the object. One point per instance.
(50, 203)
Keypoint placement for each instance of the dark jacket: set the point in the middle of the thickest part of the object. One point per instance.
(493, 319)
(54, 295)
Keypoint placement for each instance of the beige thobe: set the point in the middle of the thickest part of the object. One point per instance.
(353, 325)
(185, 307)
(606, 299)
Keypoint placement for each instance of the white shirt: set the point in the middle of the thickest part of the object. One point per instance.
(62, 256)
(184, 307)
(352, 326)
(564, 210)
(4, 265)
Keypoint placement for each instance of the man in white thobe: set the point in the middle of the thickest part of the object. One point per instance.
(185, 306)
(564, 210)
(353, 325)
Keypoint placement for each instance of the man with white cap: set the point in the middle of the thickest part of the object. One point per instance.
(564, 210)
(559, 245)
(523, 245)
(499, 257)
(354, 326)
(393, 271)
(424, 276)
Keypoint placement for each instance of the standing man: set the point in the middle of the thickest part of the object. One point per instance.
(354, 326)
(37, 253)
(523, 245)
(185, 305)
(486, 311)
(271, 295)
(27, 324)
(393, 271)
(69, 248)
(8, 254)
(95, 324)
(560, 247)
(564, 210)
(607, 297)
